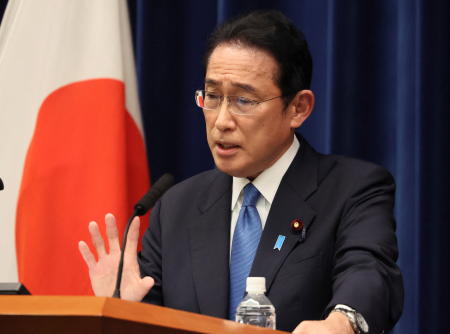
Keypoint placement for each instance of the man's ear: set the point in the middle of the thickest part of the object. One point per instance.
(301, 107)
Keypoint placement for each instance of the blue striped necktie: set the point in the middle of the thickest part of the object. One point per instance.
(245, 242)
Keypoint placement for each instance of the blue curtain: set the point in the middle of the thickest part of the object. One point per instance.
(381, 77)
(3, 4)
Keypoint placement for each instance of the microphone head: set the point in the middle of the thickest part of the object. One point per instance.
(155, 192)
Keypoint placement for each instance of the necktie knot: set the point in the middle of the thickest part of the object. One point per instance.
(251, 195)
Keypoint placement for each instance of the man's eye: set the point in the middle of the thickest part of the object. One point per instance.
(244, 101)
(211, 96)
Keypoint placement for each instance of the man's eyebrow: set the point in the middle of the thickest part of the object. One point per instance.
(245, 87)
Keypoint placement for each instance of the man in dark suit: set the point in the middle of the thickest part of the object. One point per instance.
(322, 226)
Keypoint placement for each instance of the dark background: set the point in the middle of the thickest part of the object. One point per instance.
(381, 78)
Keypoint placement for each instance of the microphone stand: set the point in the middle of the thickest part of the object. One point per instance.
(116, 293)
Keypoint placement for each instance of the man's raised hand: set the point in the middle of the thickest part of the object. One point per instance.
(103, 271)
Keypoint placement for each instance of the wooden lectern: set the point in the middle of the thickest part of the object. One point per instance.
(85, 315)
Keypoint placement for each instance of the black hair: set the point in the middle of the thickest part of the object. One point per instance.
(274, 33)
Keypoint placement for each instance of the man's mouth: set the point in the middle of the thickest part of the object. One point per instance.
(227, 146)
(226, 150)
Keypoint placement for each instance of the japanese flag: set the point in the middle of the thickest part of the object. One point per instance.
(71, 139)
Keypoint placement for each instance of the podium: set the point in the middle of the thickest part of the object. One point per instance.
(86, 315)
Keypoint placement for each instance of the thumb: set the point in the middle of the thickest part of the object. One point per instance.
(147, 282)
(145, 285)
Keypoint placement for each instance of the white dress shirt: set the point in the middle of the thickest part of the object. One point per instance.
(267, 184)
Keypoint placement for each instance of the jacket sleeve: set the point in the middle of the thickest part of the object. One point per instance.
(149, 258)
(365, 275)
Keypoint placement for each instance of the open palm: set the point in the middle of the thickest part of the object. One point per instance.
(103, 271)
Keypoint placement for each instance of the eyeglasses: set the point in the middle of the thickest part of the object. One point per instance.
(238, 105)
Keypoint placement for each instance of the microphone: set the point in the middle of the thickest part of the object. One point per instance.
(140, 209)
(150, 198)
(1, 184)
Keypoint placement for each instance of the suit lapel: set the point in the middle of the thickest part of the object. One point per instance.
(209, 241)
(299, 182)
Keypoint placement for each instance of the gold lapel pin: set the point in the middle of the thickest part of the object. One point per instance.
(297, 225)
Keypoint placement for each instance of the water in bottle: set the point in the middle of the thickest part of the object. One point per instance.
(256, 309)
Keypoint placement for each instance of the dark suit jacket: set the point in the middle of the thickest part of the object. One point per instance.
(346, 256)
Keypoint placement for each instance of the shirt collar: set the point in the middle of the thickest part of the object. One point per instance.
(268, 181)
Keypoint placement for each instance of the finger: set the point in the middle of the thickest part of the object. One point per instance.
(87, 255)
(132, 242)
(112, 233)
(97, 239)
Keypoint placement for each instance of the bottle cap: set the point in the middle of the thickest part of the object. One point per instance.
(256, 284)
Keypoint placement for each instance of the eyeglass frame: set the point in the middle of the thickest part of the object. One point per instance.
(230, 99)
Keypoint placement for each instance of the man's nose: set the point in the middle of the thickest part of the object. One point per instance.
(224, 120)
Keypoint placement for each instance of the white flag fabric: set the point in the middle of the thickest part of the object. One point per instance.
(71, 138)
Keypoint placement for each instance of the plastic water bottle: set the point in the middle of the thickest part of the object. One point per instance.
(256, 309)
